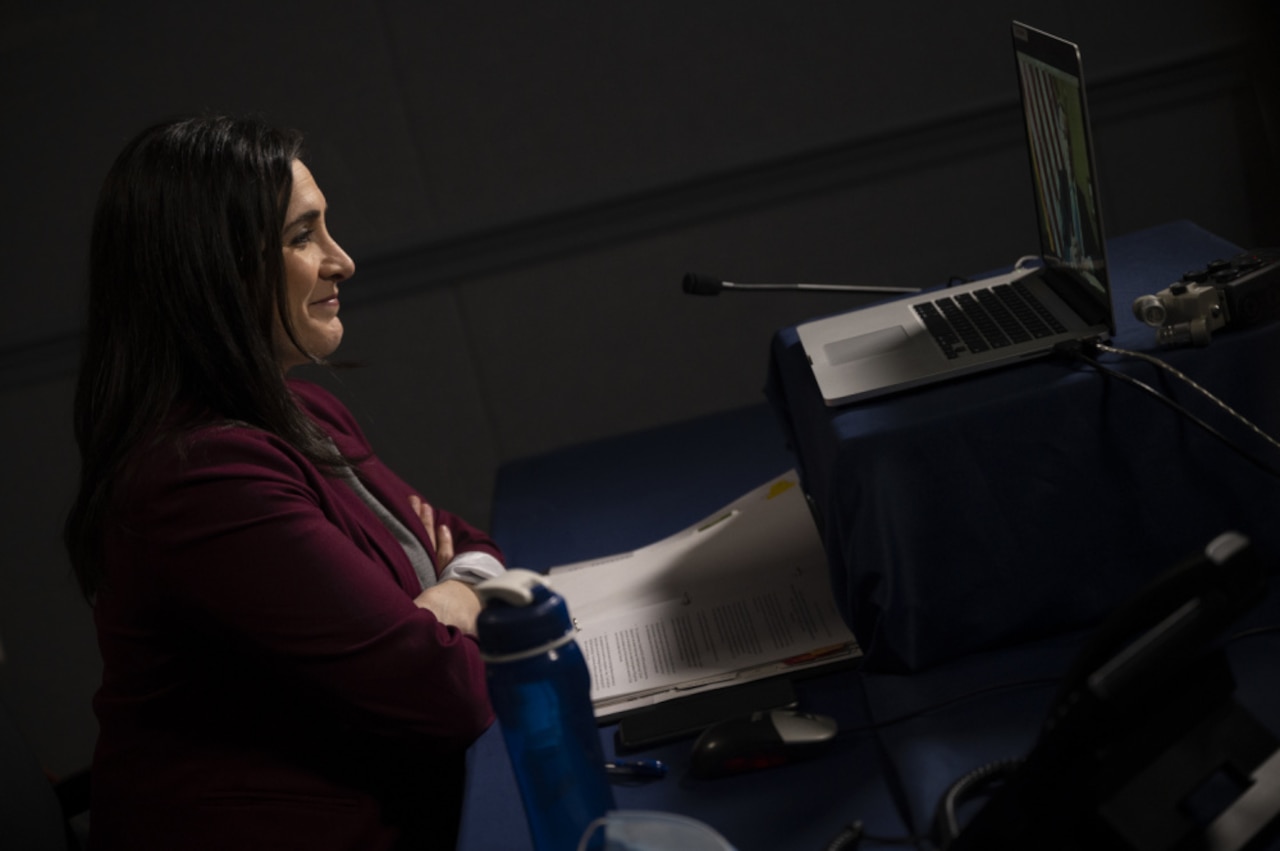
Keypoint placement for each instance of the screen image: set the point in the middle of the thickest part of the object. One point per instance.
(1070, 221)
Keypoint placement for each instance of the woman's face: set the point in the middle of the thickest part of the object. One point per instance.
(314, 265)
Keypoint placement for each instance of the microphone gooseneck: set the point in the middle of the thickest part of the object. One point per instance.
(697, 284)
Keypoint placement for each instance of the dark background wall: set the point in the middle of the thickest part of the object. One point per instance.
(523, 185)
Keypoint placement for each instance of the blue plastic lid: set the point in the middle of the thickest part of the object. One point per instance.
(521, 613)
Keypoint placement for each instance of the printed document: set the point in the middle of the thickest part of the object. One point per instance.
(742, 595)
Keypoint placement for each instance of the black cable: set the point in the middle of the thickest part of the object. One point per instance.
(1076, 350)
(946, 823)
(1190, 382)
(847, 839)
(1253, 632)
(853, 835)
(894, 840)
(970, 695)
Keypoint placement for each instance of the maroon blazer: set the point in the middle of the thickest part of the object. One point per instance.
(267, 680)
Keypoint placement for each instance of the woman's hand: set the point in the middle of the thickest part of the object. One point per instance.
(441, 537)
(452, 602)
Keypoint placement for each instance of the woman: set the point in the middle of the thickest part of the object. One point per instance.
(287, 628)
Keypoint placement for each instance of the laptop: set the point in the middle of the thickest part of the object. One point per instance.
(1000, 320)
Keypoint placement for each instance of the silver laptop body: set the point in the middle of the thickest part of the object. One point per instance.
(1000, 320)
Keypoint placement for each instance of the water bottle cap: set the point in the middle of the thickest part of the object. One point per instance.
(521, 614)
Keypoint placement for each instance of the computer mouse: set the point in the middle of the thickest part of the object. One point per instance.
(759, 740)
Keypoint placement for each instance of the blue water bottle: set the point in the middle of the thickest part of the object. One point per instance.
(541, 691)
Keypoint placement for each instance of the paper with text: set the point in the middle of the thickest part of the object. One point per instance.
(742, 595)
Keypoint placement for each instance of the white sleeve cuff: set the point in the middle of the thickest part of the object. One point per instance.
(472, 568)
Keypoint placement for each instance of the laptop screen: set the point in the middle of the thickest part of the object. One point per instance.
(1062, 168)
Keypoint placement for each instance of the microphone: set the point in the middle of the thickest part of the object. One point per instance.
(696, 284)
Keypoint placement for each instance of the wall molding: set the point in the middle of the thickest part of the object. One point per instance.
(939, 138)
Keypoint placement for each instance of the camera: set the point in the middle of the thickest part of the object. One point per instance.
(1226, 293)
(1182, 313)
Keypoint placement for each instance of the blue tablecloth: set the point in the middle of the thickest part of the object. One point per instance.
(1026, 502)
(1112, 490)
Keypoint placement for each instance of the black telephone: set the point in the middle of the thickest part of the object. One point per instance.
(1145, 746)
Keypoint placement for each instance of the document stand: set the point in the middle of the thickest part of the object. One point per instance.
(1146, 747)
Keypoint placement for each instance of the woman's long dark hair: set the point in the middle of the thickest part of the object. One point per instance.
(186, 285)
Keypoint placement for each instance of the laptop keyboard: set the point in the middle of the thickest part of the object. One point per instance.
(986, 319)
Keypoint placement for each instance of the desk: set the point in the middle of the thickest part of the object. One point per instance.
(1016, 504)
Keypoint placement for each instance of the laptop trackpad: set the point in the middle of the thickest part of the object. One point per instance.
(865, 345)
